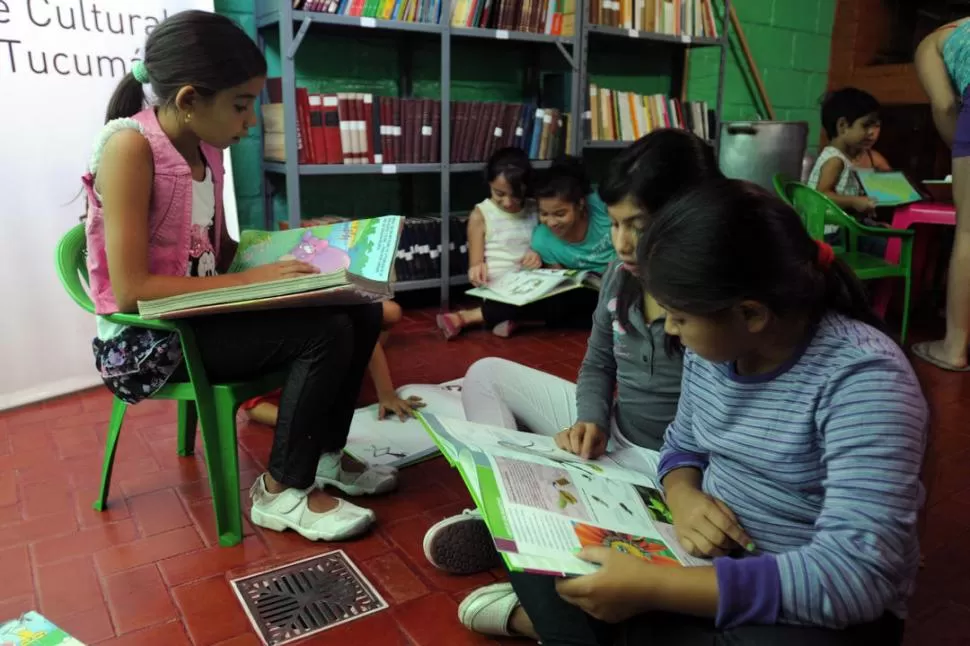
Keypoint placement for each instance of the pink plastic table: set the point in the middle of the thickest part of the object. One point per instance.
(904, 218)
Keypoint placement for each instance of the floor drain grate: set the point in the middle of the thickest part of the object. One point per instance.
(296, 600)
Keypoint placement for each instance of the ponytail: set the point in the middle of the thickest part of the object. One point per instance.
(128, 99)
(845, 294)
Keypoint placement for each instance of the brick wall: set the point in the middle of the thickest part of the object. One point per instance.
(790, 40)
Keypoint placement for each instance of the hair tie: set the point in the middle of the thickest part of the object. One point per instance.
(826, 255)
(140, 72)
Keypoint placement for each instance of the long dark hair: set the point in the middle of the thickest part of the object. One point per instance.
(565, 179)
(652, 171)
(514, 164)
(205, 50)
(728, 241)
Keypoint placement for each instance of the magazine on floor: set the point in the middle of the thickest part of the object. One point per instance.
(355, 259)
(530, 285)
(391, 442)
(543, 504)
(34, 629)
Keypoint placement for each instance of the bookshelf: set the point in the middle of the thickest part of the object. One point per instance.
(294, 26)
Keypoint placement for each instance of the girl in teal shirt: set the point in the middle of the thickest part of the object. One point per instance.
(574, 227)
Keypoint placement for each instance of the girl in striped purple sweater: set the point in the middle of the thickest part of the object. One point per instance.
(793, 460)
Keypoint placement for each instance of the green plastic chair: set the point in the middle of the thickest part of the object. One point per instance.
(214, 405)
(781, 181)
(817, 210)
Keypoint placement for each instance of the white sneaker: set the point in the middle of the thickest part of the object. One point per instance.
(487, 610)
(289, 510)
(461, 544)
(369, 482)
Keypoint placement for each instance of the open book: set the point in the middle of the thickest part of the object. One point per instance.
(542, 504)
(34, 629)
(391, 442)
(354, 257)
(530, 285)
(888, 188)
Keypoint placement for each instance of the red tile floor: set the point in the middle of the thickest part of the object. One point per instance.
(148, 571)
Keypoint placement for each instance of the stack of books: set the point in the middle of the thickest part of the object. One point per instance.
(616, 115)
(693, 18)
(361, 128)
(428, 11)
(552, 17)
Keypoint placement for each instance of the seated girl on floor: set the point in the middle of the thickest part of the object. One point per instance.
(573, 233)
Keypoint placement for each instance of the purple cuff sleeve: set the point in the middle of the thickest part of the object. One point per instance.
(749, 591)
(678, 459)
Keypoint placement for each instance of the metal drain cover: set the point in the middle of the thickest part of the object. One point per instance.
(290, 602)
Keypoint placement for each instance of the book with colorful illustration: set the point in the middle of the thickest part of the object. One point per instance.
(33, 629)
(531, 285)
(542, 504)
(355, 259)
(888, 188)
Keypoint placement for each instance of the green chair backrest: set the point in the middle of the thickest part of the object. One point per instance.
(781, 182)
(817, 210)
(72, 268)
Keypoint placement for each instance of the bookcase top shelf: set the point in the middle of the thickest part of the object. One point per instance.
(670, 39)
(389, 169)
(273, 18)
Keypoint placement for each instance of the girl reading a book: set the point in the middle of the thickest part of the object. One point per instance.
(573, 233)
(265, 409)
(155, 229)
(629, 381)
(793, 460)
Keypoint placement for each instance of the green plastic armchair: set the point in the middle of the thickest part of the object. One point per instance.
(817, 210)
(199, 401)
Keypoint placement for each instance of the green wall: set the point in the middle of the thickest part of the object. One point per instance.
(790, 40)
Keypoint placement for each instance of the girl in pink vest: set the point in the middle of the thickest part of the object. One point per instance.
(155, 229)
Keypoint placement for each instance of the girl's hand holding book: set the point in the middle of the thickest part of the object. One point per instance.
(391, 405)
(278, 271)
(478, 275)
(619, 590)
(530, 260)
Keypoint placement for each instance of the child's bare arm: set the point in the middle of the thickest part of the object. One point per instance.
(937, 84)
(879, 162)
(477, 270)
(828, 179)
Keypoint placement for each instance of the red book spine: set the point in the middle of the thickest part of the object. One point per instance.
(317, 133)
(368, 109)
(331, 129)
(307, 155)
(436, 130)
(346, 143)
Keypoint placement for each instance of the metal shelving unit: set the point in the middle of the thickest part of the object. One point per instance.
(591, 32)
(293, 26)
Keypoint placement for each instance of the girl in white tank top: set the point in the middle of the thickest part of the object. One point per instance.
(499, 234)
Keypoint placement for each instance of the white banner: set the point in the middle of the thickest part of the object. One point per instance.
(60, 60)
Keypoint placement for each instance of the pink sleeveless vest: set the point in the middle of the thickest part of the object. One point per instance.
(169, 213)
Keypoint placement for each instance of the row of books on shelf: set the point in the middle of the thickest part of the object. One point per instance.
(360, 128)
(419, 251)
(427, 11)
(626, 116)
(693, 18)
(552, 17)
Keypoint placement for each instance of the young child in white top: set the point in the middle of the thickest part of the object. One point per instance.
(499, 233)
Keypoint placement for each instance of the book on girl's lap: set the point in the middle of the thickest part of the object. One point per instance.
(542, 504)
(530, 285)
(33, 629)
(391, 442)
(355, 259)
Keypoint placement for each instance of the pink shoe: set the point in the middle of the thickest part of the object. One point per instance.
(447, 326)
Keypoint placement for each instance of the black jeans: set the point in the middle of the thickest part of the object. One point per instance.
(561, 624)
(326, 349)
(572, 309)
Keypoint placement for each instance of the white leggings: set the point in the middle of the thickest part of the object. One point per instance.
(503, 393)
